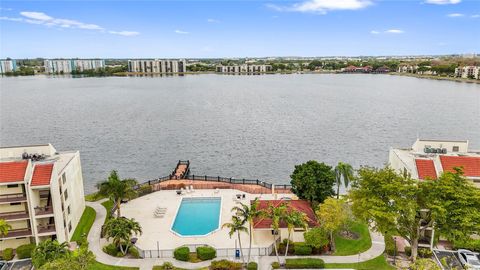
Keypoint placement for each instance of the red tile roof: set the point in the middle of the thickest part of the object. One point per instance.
(13, 171)
(471, 165)
(426, 169)
(292, 205)
(42, 174)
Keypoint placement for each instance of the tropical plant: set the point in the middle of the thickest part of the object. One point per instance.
(117, 189)
(343, 171)
(316, 237)
(80, 259)
(276, 214)
(48, 251)
(331, 215)
(294, 219)
(248, 214)
(4, 227)
(120, 230)
(236, 226)
(313, 181)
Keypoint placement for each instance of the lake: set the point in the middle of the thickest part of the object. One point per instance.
(254, 127)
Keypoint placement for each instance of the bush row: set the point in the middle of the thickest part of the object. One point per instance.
(203, 253)
(305, 263)
(225, 265)
(22, 251)
(112, 250)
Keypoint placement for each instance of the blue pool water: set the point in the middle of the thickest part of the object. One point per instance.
(197, 216)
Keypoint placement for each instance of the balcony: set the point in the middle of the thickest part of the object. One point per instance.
(44, 210)
(14, 215)
(12, 198)
(17, 233)
(44, 194)
(49, 228)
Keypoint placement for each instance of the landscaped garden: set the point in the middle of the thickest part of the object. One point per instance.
(85, 223)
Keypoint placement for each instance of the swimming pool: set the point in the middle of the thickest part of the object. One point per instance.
(197, 216)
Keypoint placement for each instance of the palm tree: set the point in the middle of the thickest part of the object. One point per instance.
(345, 171)
(4, 227)
(236, 226)
(276, 214)
(117, 189)
(248, 214)
(48, 251)
(294, 219)
(121, 230)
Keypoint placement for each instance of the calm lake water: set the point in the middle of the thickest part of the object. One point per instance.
(233, 126)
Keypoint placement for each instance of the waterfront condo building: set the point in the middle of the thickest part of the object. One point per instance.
(245, 68)
(7, 66)
(67, 66)
(157, 66)
(41, 194)
(428, 159)
(468, 72)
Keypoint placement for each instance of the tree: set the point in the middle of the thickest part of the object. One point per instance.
(390, 203)
(313, 181)
(4, 227)
(120, 230)
(294, 219)
(276, 214)
(117, 189)
(332, 216)
(236, 226)
(343, 171)
(248, 214)
(316, 237)
(48, 251)
(80, 259)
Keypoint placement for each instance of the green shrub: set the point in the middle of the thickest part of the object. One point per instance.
(275, 265)
(119, 254)
(252, 266)
(167, 266)
(302, 249)
(389, 245)
(425, 253)
(408, 251)
(133, 251)
(110, 249)
(206, 253)
(306, 263)
(225, 265)
(471, 244)
(182, 254)
(25, 251)
(7, 254)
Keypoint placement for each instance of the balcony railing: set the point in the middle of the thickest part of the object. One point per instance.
(46, 228)
(14, 215)
(43, 210)
(44, 194)
(17, 233)
(9, 198)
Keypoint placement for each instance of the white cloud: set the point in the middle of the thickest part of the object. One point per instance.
(213, 21)
(181, 32)
(36, 15)
(125, 33)
(455, 15)
(323, 6)
(394, 31)
(475, 16)
(375, 32)
(443, 2)
(11, 19)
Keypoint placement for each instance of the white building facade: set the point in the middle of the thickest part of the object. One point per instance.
(41, 194)
(7, 66)
(157, 66)
(468, 72)
(67, 66)
(244, 69)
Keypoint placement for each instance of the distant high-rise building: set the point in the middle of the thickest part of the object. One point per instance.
(67, 66)
(157, 66)
(7, 66)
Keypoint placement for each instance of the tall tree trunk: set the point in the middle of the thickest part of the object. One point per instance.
(414, 248)
(250, 244)
(118, 207)
(332, 242)
(121, 248)
(275, 247)
(240, 244)
(288, 242)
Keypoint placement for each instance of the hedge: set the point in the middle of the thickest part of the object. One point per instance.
(306, 263)
(252, 266)
(275, 265)
(7, 254)
(206, 253)
(225, 264)
(302, 249)
(182, 254)
(25, 251)
(133, 251)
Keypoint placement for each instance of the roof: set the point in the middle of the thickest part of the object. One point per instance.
(13, 171)
(42, 174)
(425, 169)
(470, 165)
(292, 205)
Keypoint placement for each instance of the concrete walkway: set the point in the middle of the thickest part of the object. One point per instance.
(96, 244)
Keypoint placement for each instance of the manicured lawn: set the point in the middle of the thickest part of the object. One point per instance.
(349, 246)
(158, 267)
(85, 223)
(108, 206)
(378, 263)
(101, 266)
(93, 197)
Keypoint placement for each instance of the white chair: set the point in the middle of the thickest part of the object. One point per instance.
(182, 190)
(217, 191)
(191, 188)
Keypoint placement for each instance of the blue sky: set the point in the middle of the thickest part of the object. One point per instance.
(141, 29)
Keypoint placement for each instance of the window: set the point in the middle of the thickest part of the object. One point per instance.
(12, 186)
(70, 226)
(68, 209)
(65, 195)
(15, 203)
(64, 178)
(455, 149)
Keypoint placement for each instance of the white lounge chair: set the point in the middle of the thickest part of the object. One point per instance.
(217, 190)
(182, 190)
(191, 188)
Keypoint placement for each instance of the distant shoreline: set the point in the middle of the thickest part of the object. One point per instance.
(431, 77)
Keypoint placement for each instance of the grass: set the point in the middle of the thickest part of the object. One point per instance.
(93, 197)
(158, 267)
(101, 266)
(353, 246)
(193, 258)
(85, 223)
(108, 206)
(379, 263)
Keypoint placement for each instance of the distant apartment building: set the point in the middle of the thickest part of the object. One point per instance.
(422, 70)
(7, 66)
(41, 194)
(157, 66)
(468, 72)
(354, 69)
(67, 66)
(245, 68)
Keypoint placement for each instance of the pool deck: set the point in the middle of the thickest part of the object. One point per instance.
(159, 229)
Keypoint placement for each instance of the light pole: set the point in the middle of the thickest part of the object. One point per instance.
(395, 250)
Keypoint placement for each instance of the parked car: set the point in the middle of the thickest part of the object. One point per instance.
(469, 259)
